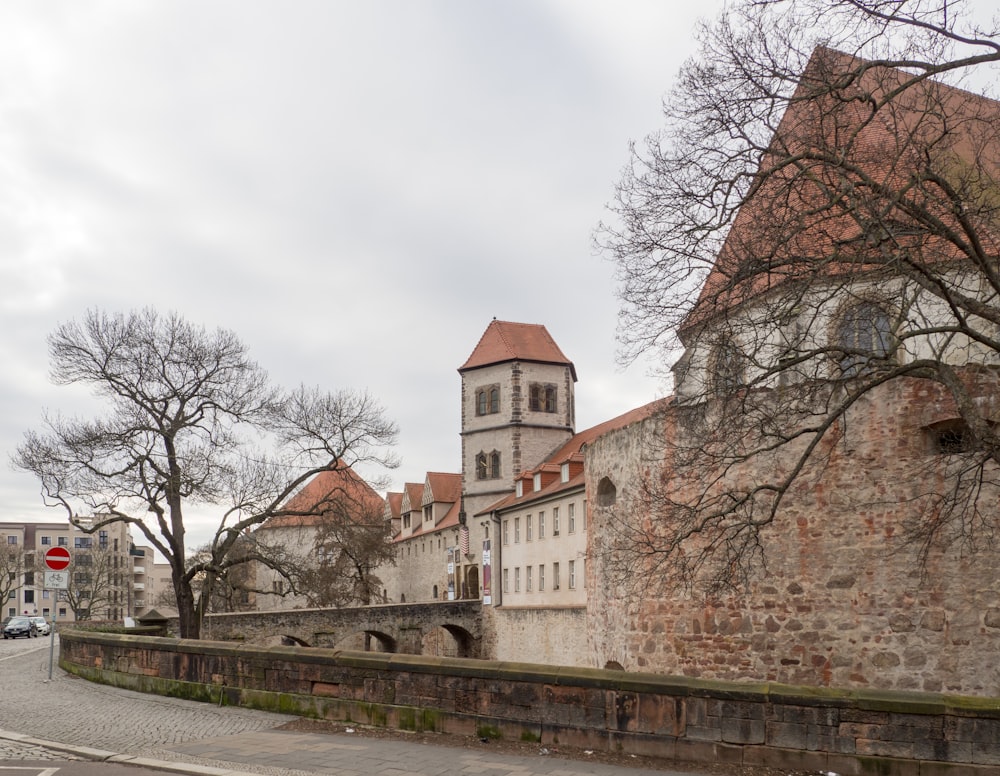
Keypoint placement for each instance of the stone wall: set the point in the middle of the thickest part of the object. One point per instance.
(450, 628)
(850, 733)
(843, 601)
(554, 636)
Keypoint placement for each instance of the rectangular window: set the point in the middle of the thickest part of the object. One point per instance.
(555, 522)
(12, 594)
(506, 532)
(541, 525)
(29, 596)
(62, 611)
(278, 586)
(102, 539)
(46, 541)
(517, 579)
(527, 528)
(429, 513)
(571, 518)
(29, 577)
(506, 581)
(527, 579)
(517, 530)
(541, 579)
(62, 541)
(45, 595)
(571, 575)
(11, 611)
(82, 542)
(45, 611)
(555, 576)
(11, 540)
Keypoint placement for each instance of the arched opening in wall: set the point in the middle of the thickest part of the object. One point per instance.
(367, 641)
(402, 598)
(448, 641)
(472, 582)
(613, 665)
(435, 592)
(607, 493)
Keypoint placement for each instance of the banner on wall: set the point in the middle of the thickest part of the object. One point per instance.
(487, 576)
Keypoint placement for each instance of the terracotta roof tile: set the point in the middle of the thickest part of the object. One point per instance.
(505, 341)
(787, 217)
(571, 452)
(306, 507)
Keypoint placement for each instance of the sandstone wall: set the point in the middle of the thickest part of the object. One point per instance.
(553, 636)
(843, 601)
(862, 733)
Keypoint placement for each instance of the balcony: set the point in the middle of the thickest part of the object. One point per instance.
(136, 569)
(138, 586)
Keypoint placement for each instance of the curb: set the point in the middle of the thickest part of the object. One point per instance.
(101, 755)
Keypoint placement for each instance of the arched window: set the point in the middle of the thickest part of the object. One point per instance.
(728, 368)
(607, 493)
(865, 336)
(495, 465)
(481, 469)
(542, 398)
(488, 400)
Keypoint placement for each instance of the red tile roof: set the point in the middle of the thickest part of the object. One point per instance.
(789, 216)
(572, 452)
(505, 341)
(323, 491)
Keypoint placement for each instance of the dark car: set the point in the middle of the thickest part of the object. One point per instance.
(20, 626)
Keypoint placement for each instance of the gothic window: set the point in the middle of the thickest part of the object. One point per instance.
(542, 398)
(864, 335)
(488, 400)
(728, 368)
(488, 466)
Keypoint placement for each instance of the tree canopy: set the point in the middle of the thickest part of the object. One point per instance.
(818, 217)
(192, 424)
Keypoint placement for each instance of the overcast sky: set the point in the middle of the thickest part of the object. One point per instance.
(356, 188)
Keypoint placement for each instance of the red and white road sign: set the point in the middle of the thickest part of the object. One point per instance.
(57, 558)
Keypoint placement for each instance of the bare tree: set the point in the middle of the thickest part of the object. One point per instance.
(12, 567)
(97, 582)
(352, 540)
(193, 425)
(818, 219)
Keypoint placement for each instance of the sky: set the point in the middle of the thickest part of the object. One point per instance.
(355, 187)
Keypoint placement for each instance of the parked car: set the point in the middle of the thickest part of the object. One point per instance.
(41, 626)
(20, 626)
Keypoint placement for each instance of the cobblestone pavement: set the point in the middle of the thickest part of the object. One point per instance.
(70, 716)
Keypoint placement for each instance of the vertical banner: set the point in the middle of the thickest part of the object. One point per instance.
(487, 575)
(451, 573)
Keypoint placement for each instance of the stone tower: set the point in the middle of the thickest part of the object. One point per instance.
(517, 407)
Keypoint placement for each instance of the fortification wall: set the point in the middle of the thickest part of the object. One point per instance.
(844, 600)
(862, 732)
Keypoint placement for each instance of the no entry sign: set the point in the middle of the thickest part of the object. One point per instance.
(57, 558)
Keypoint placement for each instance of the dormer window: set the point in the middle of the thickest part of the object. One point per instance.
(564, 473)
(537, 482)
(520, 488)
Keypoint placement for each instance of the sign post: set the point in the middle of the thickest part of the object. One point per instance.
(56, 578)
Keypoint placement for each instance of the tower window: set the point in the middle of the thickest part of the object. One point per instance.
(542, 398)
(488, 400)
(488, 466)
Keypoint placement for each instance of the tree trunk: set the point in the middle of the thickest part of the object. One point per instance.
(190, 619)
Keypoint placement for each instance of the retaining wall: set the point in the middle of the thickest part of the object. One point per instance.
(675, 718)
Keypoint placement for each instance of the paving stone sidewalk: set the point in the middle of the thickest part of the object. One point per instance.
(225, 741)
